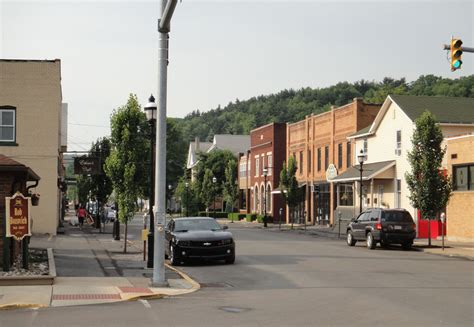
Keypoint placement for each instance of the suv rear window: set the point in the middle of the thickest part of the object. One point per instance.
(397, 216)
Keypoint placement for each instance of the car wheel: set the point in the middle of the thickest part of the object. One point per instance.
(230, 260)
(350, 239)
(407, 245)
(370, 241)
(172, 256)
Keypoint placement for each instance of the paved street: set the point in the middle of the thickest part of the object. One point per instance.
(283, 279)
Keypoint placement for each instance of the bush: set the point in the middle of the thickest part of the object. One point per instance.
(218, 214)
(235, 216)
(260, 219)
(250, 217)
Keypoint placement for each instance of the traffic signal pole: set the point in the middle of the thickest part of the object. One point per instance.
(464, 49)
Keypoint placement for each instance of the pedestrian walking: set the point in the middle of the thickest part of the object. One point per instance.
(81, 215)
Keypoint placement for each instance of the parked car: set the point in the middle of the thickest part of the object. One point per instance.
(384, 226)
(198, 238)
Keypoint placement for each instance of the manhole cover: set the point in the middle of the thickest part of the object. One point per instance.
(234, 309)
(215, 285)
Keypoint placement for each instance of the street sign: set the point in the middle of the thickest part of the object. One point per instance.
(18, 216)
(331, 172)
(87, 166)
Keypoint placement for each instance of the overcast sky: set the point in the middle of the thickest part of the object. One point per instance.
(223, 50)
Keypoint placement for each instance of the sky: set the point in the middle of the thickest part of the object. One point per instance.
(225, 50)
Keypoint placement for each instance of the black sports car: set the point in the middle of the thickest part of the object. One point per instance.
(198, 238)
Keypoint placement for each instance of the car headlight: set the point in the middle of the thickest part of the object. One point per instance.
(227, 241)
(183, 243)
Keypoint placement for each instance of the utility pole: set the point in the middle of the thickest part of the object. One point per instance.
(166, 12)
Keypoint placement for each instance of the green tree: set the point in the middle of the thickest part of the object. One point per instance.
(291, 193)
(231, 188)
(429, 188)
(127, 165)
(83, 187)
(209, 189)
(189, 197)
(101, 185)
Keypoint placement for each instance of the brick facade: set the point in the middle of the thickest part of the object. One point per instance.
(317, 142)
(268, 150)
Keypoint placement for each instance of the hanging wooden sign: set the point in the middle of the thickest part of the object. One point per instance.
(18, 209)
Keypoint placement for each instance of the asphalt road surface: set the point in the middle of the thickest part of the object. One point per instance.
(290, 279)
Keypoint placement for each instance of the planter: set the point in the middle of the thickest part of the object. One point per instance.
(35, 279)
(35, 200)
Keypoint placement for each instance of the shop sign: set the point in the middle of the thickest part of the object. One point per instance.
(331, 172)
(87, 166)
(18, 209)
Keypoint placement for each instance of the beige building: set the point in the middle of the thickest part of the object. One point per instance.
(30, 129)
(460, 210)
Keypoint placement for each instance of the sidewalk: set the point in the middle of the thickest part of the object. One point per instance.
(92, 269)
(451, 249)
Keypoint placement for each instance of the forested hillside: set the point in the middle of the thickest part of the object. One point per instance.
(239, 117)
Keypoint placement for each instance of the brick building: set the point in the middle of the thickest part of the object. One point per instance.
(265, 157)
(320, 142)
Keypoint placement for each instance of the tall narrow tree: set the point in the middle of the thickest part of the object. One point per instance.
(429, 187)
(231, 188)
(127, 164)
(290, 191)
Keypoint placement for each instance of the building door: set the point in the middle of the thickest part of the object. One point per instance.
(323, 204)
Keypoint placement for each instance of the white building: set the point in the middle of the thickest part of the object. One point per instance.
(388, 140)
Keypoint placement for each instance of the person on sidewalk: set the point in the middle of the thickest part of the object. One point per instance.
(81, 215)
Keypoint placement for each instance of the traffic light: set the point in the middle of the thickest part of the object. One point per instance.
(456, 53)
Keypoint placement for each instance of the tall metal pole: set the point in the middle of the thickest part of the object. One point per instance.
(160, 166)
(360, 191)
(151, 232)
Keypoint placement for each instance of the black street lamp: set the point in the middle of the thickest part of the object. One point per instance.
(361, 158)
(214, 181)
(150, 111)
(187, 198)
(265, 174)
(169, 195)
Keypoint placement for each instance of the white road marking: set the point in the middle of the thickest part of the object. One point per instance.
(145, 303)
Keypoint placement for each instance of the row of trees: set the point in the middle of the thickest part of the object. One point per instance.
(125, 162)
(240, 117)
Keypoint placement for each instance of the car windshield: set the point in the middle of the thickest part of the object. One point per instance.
(397, 216)
(196, 224)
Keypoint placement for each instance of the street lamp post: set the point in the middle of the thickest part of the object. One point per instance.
(187, 198)
(361, 158)
(214, 181)
(265, 174)
(150, 112)
(169, 196)
(166, 12)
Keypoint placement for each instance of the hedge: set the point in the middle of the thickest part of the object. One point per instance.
(218, 214)
(233, 216)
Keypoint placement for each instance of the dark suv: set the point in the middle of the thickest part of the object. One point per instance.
(382, 225)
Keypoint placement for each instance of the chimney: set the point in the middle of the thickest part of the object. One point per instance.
(196, 142)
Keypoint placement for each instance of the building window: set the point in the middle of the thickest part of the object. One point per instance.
(300, 166)
(309, 161)
(7, 124)
(326, 157)
(339, 155)
(346, 195)
(399, 193)
(257, 166)
(365, 148)
(398, 146)
(463, 177)
(243, 170)
(319, 159)
(270, 164)
(348, 154)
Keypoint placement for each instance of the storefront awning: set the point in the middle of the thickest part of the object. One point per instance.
(369, 171)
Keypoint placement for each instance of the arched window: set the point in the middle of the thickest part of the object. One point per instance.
(262, 196)
(269, 198)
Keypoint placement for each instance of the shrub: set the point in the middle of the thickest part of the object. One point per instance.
(250, 217)
(235, 216)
